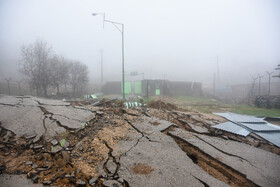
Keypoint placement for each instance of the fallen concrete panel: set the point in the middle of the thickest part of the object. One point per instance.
(71, 113)
(232, 128)
(22, 120)
(243, 158)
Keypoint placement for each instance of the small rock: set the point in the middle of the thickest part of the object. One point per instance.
(54, 142)
(90, 162)
(31, 146)
(34, 166)
(121, 180)
(81, 148)
(99, 112)
(72, 132)
(37, 146)
(225, 137)
(92, 181)
(47, 182)
(80, 183)
(32, 173)
(29, 163)
(56, 149)
(36, 139)
(67, 176)
(65, 144)
(41, 169)
(73, 174)
(30, 136)
(112, 183)
(35, 179)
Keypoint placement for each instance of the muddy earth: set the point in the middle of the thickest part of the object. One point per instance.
(50, 142)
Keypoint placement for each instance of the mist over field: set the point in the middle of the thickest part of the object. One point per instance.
(174, 40)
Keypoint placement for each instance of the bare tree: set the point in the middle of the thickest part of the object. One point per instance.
(78, 76)
(59, 72)
(19, 86)
(35, 64)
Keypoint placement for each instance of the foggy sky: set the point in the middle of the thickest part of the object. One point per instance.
(175, 39)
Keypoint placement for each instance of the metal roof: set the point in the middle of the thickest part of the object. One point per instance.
(233, 128)
(225, 115)
(259, 127)
(273, 137)
(244, 125)
(246, 119)
(238, 118)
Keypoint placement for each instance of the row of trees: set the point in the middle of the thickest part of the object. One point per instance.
(45, 70)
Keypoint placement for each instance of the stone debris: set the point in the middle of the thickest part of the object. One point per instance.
(80, 183)
(29, 163)
(54, 142)
(56, 149)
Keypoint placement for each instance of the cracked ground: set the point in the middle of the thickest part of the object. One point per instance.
(74, 144)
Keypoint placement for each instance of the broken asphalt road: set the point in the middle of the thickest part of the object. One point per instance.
(54, 142)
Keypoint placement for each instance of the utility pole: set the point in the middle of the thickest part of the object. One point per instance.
(19, 87)
(119, 27)
(277, 69)
(8, 82)
(260, 77)
(214, 85)
(253, 85)
(218, 72)
(269, 75)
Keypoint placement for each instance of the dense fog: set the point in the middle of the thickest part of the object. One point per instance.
(174, 40)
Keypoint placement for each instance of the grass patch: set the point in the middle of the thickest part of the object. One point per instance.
(245, 109)
(209, 105)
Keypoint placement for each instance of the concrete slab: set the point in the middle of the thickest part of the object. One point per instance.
(259, 166)
(32, 115)
(167, 164)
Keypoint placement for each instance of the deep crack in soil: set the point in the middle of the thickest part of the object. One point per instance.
(211, 165)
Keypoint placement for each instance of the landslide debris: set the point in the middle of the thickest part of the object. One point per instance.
(64, 158)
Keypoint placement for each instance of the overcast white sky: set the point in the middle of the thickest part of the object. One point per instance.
(178, 38)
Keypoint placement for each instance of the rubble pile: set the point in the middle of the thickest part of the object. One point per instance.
(105, 144)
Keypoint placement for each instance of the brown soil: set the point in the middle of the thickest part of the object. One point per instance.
(142, 169)
(158, 104)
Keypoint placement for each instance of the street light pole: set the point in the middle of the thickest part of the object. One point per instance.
(116, 24)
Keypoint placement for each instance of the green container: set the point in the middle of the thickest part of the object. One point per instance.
(127, 88)
(137, 87)
(157, 91)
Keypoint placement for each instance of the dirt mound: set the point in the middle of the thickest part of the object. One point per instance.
(158, 104)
